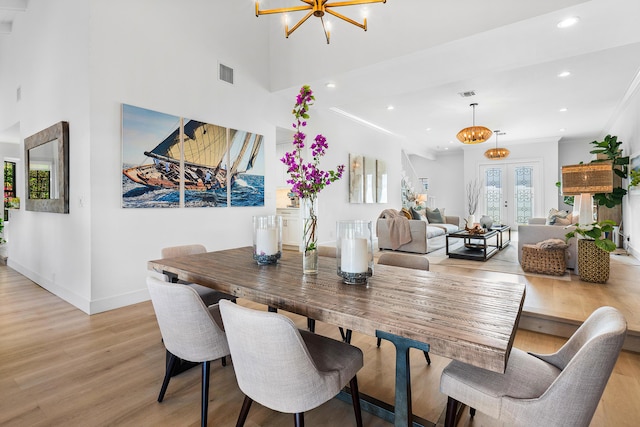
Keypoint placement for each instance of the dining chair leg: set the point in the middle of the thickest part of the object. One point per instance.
(224, 360)
(345, 334)
(299, 419)
(452, 409)
(426, 356)
(206, 367)
(355, 399)
(379, 342)
(171, 364)
(472, 412)
(311, 324)
(246, 405)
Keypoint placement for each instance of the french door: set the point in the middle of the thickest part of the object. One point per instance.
(509, 192)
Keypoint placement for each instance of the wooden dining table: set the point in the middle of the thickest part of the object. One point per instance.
(468, 319)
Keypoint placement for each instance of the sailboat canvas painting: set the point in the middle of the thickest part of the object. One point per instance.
(205, 156)
(246, 154)
(142, 176)
(163, 154)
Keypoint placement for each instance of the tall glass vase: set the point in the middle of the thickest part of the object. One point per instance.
(310, 235)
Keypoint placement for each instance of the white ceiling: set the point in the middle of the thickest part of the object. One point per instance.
(509, 52)
(417, 55)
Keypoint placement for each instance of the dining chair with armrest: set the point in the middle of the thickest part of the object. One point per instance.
(190, 331)
(559, 389)
(286, 369)
(209, 296)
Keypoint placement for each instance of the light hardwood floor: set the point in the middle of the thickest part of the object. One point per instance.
(60, 367)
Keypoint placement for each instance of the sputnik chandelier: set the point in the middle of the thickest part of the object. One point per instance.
(474, 134)
(496, 153)
(318, 8)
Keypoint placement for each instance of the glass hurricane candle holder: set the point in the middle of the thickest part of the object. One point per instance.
(267, 239)
(354, 243)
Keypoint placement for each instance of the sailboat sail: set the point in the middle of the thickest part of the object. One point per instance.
(205, 148)
(254, 152)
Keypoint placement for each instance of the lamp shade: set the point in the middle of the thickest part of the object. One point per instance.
(588, 178)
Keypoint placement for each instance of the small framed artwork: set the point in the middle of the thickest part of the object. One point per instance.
(634, 165)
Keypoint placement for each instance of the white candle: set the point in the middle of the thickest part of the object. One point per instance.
(354, 256)
(266, 241)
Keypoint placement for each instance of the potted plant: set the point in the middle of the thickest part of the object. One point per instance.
(593, 250)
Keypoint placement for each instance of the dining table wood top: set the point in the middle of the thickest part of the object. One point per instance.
(468, 319)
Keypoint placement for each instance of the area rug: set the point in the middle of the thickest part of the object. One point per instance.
(505, 261)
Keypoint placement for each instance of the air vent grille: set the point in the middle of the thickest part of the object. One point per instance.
(19, 93)
(226, 74)
(467, 94)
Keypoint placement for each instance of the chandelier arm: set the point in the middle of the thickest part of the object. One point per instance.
(288, 31)
(326, 33)
(349, 20)
(281, 10)
(353, 2)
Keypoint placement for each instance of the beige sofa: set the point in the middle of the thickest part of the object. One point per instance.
(425, 237)
(536, 231)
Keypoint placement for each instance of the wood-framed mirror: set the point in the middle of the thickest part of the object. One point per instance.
(46, 163)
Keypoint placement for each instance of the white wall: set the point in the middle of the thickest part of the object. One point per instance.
(627, 128)
(47, 56)
(95, 257)
(446, 181)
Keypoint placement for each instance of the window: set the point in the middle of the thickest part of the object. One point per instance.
(9, 185)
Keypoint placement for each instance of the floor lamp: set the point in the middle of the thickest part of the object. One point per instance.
(582, 181)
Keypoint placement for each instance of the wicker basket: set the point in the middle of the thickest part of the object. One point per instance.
(543, 261)
(593, 262)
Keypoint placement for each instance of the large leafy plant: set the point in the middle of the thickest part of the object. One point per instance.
(597, 232)
(610, 149)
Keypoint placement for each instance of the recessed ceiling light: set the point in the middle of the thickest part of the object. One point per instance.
(568, 22)
(390, 107)
(446, 148)
(330, 85)
(562, 129)
(450, 142)
(562, 110)
(428, 129)
(564, 74)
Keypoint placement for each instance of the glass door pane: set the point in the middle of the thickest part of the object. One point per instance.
(524, 193)
(493, 194)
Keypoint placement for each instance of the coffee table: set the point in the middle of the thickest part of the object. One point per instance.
(475, 246)
(502, 229)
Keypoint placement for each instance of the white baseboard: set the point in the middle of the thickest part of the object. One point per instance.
(88, 306)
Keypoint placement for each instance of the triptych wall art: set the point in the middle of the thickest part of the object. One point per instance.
(170, 162)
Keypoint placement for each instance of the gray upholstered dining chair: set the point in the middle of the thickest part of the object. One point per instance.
(559, 389)
(403, 260)
(286, 369)
(209, 296)
(190, 331)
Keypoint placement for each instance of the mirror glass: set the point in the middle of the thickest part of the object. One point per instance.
(356, 181)
(381, 185)
(43, 171)
(369, 180)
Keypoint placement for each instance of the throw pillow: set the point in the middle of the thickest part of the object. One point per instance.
(415, 214)
(554, 215)
(435, 216)
(406, 213)
(562, 221)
